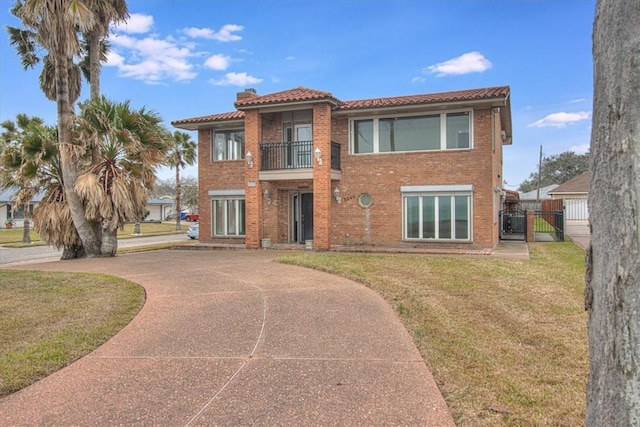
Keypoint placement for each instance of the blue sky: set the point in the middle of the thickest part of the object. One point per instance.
(187, 58)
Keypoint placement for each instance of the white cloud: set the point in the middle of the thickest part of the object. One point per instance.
(218, 62)
(418, 80)
(151, 59)
(226, 33)
(580, 149)
(577, 101)
(562, 119)
(236, 79)
(136, 24)
(471, 62)
(290, 58)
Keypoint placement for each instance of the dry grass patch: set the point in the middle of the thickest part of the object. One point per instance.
(48, 320)
(497, 334)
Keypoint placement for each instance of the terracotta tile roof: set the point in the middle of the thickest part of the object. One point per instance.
(579, 184)
(431, 98)
(303, 94)
(233, 115)
(299, 94)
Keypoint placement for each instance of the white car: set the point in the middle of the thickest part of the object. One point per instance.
(194, 231)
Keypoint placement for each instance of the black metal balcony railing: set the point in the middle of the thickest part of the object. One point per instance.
(293, 155)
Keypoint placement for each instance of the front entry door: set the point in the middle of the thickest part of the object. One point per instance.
(302, 216)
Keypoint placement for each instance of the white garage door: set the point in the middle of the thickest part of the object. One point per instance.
(576, 210)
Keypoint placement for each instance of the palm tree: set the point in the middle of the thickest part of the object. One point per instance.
(32, 163)
(12, 137)
(182, 152)
(105, 12)
(53, 25)
(132, 146)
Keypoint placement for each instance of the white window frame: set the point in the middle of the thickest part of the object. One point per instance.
(227, 196)
(240, 154)
(443, 131)
(437, 191)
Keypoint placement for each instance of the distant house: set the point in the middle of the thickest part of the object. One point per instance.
(301, 166)
(15, 215)
(574, 194)
(532, 196)
(158, 208)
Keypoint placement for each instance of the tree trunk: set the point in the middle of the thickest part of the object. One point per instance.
(136, 228)
(178, 191)
(90, 240)
(109, 243)
(612, 294)
(26, 232)
(93, 40)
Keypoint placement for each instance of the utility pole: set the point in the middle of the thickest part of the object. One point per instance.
(539, 172)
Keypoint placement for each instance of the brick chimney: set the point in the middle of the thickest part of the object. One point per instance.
(246, 94)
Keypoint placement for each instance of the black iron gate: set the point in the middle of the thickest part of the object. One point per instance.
(513, 225)
(549, 226)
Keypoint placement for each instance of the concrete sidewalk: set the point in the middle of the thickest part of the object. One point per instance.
(232, 338)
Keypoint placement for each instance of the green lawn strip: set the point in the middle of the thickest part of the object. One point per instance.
(13, 238)
(495, 333)
(50, 319)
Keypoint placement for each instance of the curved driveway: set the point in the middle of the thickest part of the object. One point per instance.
(233, 338)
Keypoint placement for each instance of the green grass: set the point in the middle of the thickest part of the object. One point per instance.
(494, 332)
(13, 237)
(48, 320)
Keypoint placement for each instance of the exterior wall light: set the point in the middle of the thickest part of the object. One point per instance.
(249, 158)
(318, 155)
(267, 196)
(336, 195)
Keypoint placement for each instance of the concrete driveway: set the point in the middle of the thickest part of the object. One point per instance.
(233, 338)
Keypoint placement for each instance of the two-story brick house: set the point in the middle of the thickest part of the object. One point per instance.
(300, 165)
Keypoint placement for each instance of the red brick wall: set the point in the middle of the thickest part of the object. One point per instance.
(214, 176)
(382, 175)
(253, 193)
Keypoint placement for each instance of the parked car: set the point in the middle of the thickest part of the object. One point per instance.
(194, 231)
(191, 216)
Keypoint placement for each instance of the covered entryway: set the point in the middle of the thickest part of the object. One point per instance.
(301, 224)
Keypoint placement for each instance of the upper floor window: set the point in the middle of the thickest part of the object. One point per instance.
(228, 145)
(444, 131)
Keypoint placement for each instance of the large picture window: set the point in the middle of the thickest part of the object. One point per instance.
(228, 145)
(443, 131)
(228, 217)
(443, 214)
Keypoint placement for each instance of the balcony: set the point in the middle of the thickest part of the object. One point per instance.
(293, 160)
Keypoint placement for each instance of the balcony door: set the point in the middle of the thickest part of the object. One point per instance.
(298, 144)
(303, 134)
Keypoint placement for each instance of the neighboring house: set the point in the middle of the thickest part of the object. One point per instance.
(156, 208)
(574, 194)
(530, 200)
(14, 214)
(301, 166)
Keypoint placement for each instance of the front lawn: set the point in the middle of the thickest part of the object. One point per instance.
(506, 340)
(48, 320)
(13, 237)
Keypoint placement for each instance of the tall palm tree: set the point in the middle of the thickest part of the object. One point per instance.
(32, 162)
(182, 152)
(12, 136)
(54, 25)
(132, 146)
(105, 12)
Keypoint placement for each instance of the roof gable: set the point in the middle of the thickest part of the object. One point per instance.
(579, 184)
(297, 95)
